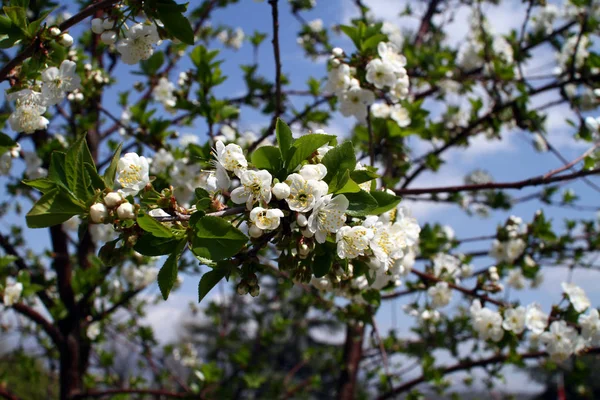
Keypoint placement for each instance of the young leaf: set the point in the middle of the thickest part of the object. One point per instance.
(216, 239)
(167, 276)
(44, 185)
(339, 158)
(303, 147)
(53, 208)
(77, 155)
(385, 201)
(284, 138)
(208, 281)
(361, 203)
(149, 224)
(111, 171)
(267, 157)
(175, 22)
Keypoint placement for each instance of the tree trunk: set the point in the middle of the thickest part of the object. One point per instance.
(71, 378)
(352, 355)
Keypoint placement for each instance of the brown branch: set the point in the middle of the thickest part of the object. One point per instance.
(426, 22)
(536, 181)
(92, 394)
(40, 320)
(468, 364)
(36, 44)
(5, 394)
(352, 356)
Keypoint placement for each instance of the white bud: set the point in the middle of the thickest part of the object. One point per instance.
(337, 51)
(255, 231)
(98, 213)
(113, 199)
(109, 37)
(54, 31)
(65, 40)
(97, 26)
(281, 190)
(303, 250)
(126, 211)
(301, 220)
(592, 124)
(307, 233)
(108, 24)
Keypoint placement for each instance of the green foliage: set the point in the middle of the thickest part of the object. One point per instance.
(53, 208)
(216, 239)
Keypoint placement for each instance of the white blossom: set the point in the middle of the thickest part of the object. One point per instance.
(354, 102)
(28, 115)
(161, 161)
(231, 157)
(58, 81)
(303, 194)
(440, 294)
(12, 293)
(266, 219)
(255, 186)
(514, 319)
(93, 330)
(313, 171)
(380, 73)
(328, 216)
(138, 43)
(590, 327)
(163, 93)
(281, 190)
(577, 296)
(400, 115)
(535, 319)
(561, 341)
(132, 173)
(353, 241)
(487, 323)
(516, 279)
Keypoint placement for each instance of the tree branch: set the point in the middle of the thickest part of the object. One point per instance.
(39, 319)
(92, 394)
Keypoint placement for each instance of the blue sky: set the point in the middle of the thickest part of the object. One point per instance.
(512, 158)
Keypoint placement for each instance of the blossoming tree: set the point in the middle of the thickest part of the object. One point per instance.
(307, 214)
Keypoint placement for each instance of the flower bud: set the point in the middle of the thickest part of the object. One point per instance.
(252, 280)
(97, 26)
(281, 190)
(242, 288)
(337, 52)
(301, 220)
(126, 211)
(113, 199)
(254, 291)
(255, 231)
(54, 31)
(108, 24)
(98, 213)
(303, 250)
(65, 40)
(108, 37)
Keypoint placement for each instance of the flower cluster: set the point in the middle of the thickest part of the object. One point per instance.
(385, 73)
(31, 104)
(233, 39)
(512, 245)
(104, 28)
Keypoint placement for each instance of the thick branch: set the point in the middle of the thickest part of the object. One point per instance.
(39, 319)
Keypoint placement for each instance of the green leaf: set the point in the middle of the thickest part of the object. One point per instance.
(97, 181)
(209, 281)
(349, 186)
(6, 260)
(18, 16)
(149, 224)
(153, 246)
(175, 22)
(56, 171)
(111, 170)
(322, 263)
(385, 201)
(363, 175)
(44, 185)
(167, 276)
(267, 157)
(77, 155)
(53, 208)
(152, 65)
(216, 239)
(304, 147)
(360, 204)
(372, 42)
(339, 158)
(6, 143)
(284, 138)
